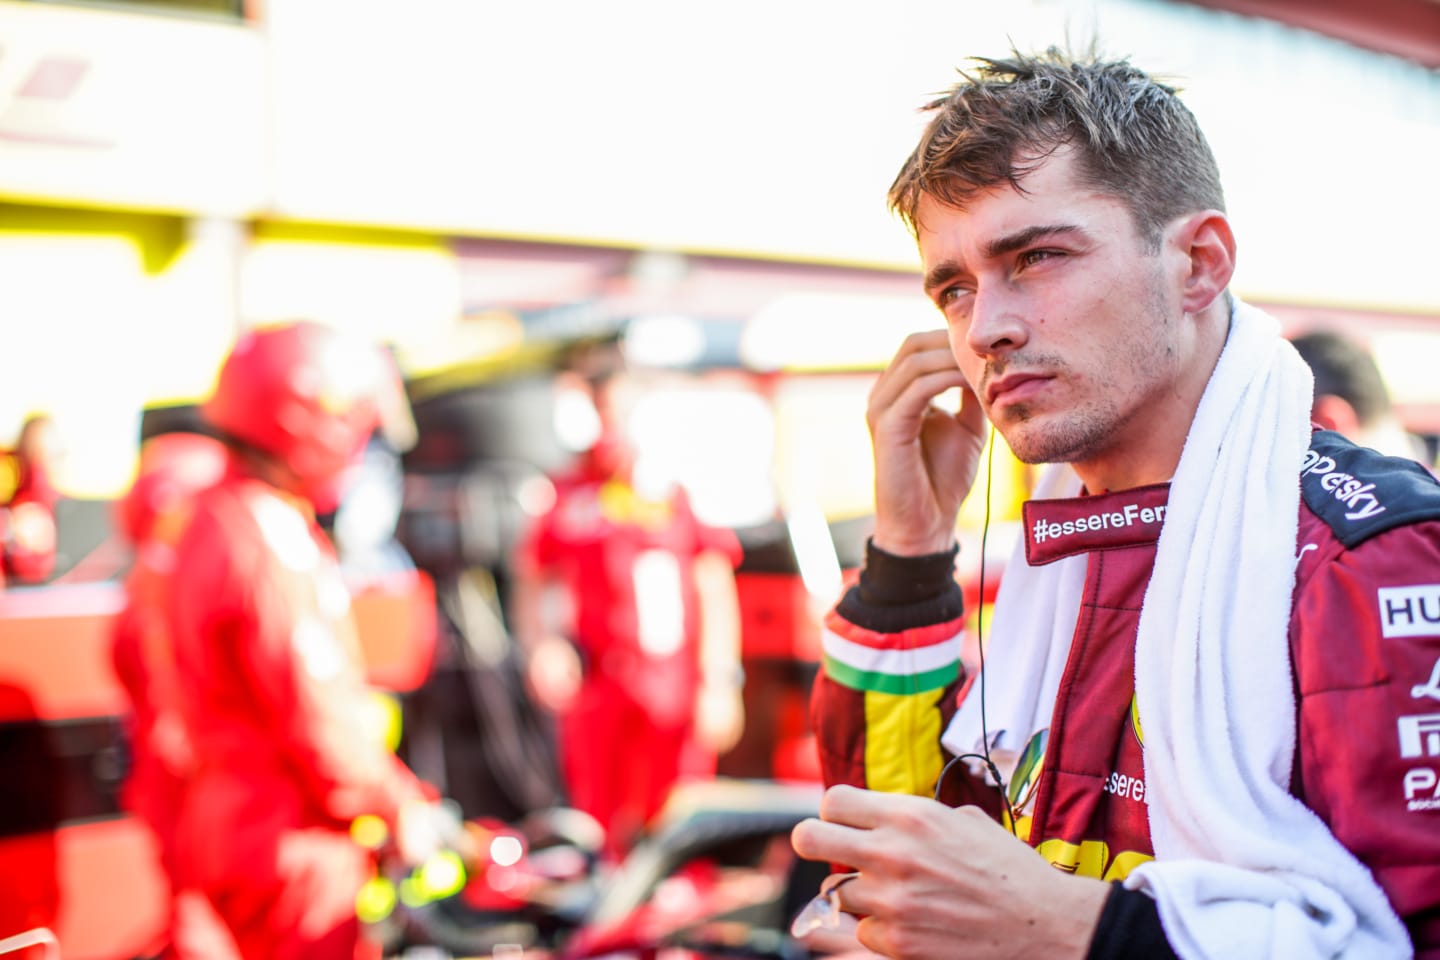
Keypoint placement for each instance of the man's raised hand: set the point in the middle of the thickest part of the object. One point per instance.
(926, 458)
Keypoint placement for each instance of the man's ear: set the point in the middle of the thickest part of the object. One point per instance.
(1335, 413)
(1205, 241)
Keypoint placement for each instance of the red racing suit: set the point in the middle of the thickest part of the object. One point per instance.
(1364, 640)
(287, 750)
(162, 757)
(627, 564)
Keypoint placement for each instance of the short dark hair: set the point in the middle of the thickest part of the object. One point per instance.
(1135, 139)
(1346, 369)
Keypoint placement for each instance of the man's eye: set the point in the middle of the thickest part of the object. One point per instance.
(1031, 257)
(949, 295)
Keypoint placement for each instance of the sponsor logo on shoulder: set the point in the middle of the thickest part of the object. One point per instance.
(1430, 688)
(1357, 496)
(1422, 790)
(1419, 735)
(1410, 611)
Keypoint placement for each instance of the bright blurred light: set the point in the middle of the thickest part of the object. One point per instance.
(822, 450)
(535, 495)
(442, 875)
(664, 341)
(1408, 360)
(375, 901)
(369, 831)
(716, 442)
(408, 295)
(575, 420)
(79, 345)
(816, 331)
(412, 893)
(506, 850)
(814, 551)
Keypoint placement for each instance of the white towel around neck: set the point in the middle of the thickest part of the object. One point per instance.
(1242, 868)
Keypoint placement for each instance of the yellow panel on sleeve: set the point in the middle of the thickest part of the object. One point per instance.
(902, 741)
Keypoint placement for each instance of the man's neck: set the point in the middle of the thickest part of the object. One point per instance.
(272, 472)
(1153, 456)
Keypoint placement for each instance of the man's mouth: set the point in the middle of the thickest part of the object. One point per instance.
(1015, 388)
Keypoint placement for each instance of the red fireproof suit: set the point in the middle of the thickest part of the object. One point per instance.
(162, 757)
(628, 565)
(1364, 640)
(287, 750)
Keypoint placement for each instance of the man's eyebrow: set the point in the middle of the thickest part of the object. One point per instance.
(941, 274)
(945, 271)
(1021, 239)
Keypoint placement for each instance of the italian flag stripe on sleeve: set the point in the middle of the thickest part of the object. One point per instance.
(910, 662)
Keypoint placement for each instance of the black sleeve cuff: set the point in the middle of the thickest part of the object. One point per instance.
(898, 593)
(891, 581)
(1129, 929)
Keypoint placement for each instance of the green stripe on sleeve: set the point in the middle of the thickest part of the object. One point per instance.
(874, 682)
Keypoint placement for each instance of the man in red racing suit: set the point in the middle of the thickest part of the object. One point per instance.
(651, 644)
(288, 744)
(614, 551)
(1365, 643)
(1070, 223)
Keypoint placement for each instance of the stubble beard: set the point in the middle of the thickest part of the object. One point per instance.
(1091, 428)
(1073, 436)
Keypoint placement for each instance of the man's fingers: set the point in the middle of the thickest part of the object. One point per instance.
(868, 809)
(923, 341)
(827, 842)
(855, 807)
(904, 407)
(921, 356)
(918, 363)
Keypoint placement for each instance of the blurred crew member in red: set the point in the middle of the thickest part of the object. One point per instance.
(1351, 396)
(27, 520)
(642, 663)
(287, 743)
(152, 516)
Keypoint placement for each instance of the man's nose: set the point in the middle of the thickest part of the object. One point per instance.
(997, 321)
